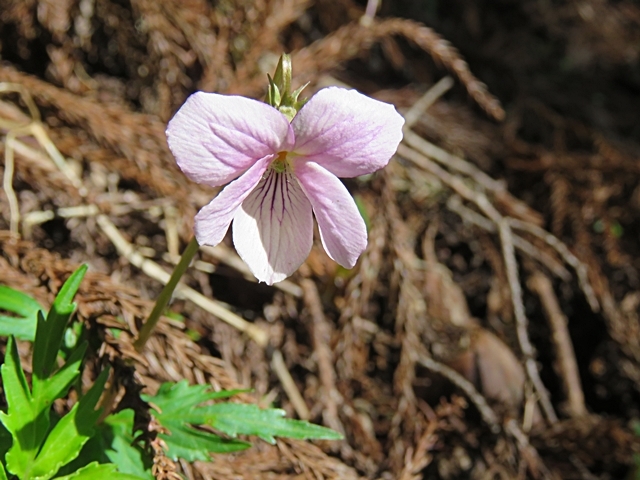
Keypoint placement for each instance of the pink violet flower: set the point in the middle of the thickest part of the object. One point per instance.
(281, 172)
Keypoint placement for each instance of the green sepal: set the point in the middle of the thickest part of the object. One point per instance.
(282, 76)
(288, 112)
(273, 93)
(298, 104)
(279, 93)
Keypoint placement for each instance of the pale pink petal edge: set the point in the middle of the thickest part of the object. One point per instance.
(346, 132)
(213, 220)
(214, 138)
(342, 228)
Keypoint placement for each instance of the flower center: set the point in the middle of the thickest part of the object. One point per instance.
(281, 163)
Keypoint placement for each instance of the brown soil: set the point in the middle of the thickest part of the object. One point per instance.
(491, 329)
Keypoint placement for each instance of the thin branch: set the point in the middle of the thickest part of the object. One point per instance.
(321, 335)
(486, 412)
(570, 258)
(452, 162)
(454, 203)
(432, 95)
(529, 452)
(289, 385)
(7, 184)
(567, 366)
(521, 319)
(482, 202)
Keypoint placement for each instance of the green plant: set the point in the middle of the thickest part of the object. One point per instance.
(36, 444)
(39, 443)
(184, 409)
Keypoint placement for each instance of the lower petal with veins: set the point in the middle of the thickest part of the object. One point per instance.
(273, 230)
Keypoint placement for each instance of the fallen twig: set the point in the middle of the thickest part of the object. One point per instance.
(486, 412)
(289, 385)
(482, 202)
(521, 320)
(152, 269)
(412, 115)
(566, 360)
(455, 205)
(321, 335)
(570, 258)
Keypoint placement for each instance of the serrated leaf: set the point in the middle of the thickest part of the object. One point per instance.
(26, 422)
(128, 457)
(3, 472)
(114, 443)
(181, 407)
(50, 332)
(172, 396)
(191, 444)
(27, 417)
(96, 470)
(246, 419)
(26, 308)
(66, 439)
(184, 441)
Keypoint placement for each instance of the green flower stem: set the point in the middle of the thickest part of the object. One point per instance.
(165, 295)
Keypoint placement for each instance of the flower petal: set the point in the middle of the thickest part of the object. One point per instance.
(212, 221)
(273, 231)
(346, 132)
(214, 138)
(342, 229)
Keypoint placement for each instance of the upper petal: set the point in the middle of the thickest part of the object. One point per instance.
(342, 229)
(212, 221)
(273, 230)
(346, 132)
(215, 137)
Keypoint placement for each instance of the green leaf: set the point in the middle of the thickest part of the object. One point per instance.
(56, 386)
(180, 409)
(26, 422)
(171, 396)
(114, 442)
(3, 472)
(129, 457)
(95, 471)
(191, 444)
(240, 418)
(177, 413)
(66, 439)
(27, 417)
(23, 326)
(5, 441)
(50, 332)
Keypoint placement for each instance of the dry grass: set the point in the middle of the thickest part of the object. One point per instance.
(432, 355)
